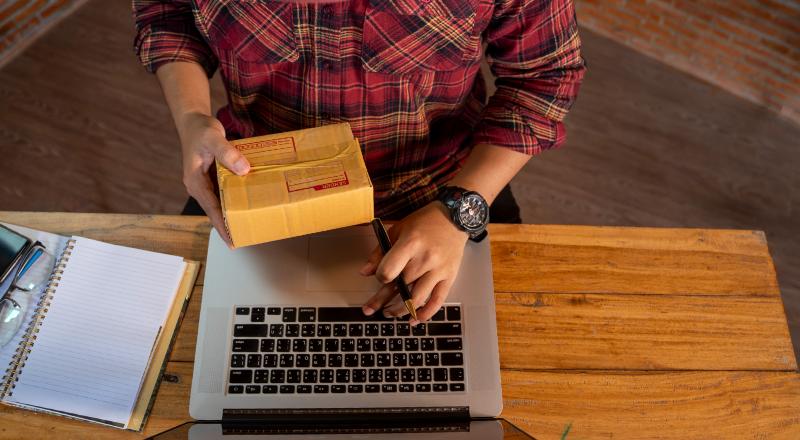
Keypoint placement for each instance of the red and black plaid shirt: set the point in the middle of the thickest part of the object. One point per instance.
(404, 73)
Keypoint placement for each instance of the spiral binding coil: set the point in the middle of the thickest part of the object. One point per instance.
(11, 375)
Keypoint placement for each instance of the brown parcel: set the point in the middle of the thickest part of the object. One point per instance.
(300, 182)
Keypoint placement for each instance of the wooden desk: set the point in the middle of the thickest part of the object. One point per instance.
(613, 332)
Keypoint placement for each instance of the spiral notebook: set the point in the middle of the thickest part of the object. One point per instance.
(98, 333)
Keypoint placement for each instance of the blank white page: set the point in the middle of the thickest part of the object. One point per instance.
(95, 341)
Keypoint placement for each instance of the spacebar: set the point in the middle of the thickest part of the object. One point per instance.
(347, 314)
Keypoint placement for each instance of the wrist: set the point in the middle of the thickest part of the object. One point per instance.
(189, 123)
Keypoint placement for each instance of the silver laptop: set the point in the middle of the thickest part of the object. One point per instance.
(282, 336)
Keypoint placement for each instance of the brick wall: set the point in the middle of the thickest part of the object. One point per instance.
(21, 21)
(749, 47)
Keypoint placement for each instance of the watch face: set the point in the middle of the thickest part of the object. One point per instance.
(473, 212)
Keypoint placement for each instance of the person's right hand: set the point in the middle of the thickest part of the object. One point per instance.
(203, 140)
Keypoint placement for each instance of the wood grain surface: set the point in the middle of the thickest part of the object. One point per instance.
(630, 364)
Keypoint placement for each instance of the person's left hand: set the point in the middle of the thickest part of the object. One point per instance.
(427, 249)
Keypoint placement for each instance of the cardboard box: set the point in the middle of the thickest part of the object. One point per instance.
(300, 182)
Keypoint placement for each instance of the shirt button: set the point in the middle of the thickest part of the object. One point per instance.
(325, 65)
(325, 116)
(327, 11)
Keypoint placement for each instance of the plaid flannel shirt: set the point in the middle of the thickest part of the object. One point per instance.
(404, 73)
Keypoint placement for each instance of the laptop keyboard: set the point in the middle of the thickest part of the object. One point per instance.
(323, 350)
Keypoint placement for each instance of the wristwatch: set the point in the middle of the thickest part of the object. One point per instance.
(468, 210)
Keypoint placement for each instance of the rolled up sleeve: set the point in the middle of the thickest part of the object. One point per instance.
(166, 32)
(534, 52)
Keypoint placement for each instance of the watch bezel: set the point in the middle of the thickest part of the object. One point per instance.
(453, 198)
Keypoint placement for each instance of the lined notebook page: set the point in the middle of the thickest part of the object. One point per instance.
(95, 342)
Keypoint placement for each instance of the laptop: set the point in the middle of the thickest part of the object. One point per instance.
(282, 337)
(493, 429)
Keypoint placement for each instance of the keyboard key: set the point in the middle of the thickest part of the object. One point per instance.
(259, 311)
(363, 344)
(318, 360)
(383, 360)
(338, 388)
(415, 359)
(379, 344)
(252, 389)
(371, 329)
(424, 374)
(302, 360)
(287, 389)
(267, 345)
(342, 376)
(270, 360)
(237, 360)
(250, 330)
(292, 330)
(243, 310)
(276, 330)
(308, 330)
(440, 374)
(261, 376)
(245, 345)
(351, 360)
(283, 346)
(457, 374)
(299, 345)
(359, 375)
(304, 389)
(453, 313)
(240, 376)
(372, 388)
(307, 314)
(438, 316)
(289, 314)
(335, 360)
(403, 329)
(347, 314)
(411, 344)
(356, 330)
(406, 387)
(456, 387)
(387, 329)
(309, 376)
(418, 330)
(348, 345)
(323, 330)
(367, 360)
(277, 376)
(444, 329)
(269, 389)
(256, 318)
(399, 360)
(375, 375)
(391, 375)
(395, 344)
(253, 360)
(389, 388)
(339, 329)
(431, 359)
(452, 359)
(326, 376)
(273, 310)
(423, 387)
(331, 345)
(235, 389)
(315, 345)
(439, 387)
(286, 361)
(407, 374)
(427, 344)
(257, 314)
(293, 376)
(321, 389)
(355, 388)
(445, 344)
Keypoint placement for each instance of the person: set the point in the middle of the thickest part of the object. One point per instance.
(406, 76)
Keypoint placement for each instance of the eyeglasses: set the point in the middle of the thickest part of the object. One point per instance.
(31, 273)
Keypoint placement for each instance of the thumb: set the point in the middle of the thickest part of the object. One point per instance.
(231, 158)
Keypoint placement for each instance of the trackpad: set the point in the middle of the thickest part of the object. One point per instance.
(334, 262)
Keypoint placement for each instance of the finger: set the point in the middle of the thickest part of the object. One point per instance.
(419, 295)
(438, 295)
(201, 189)
(372, 262)
(230, 158)
(381, 297)
(393, 263)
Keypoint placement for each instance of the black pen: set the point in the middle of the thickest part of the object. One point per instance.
(386, 244)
